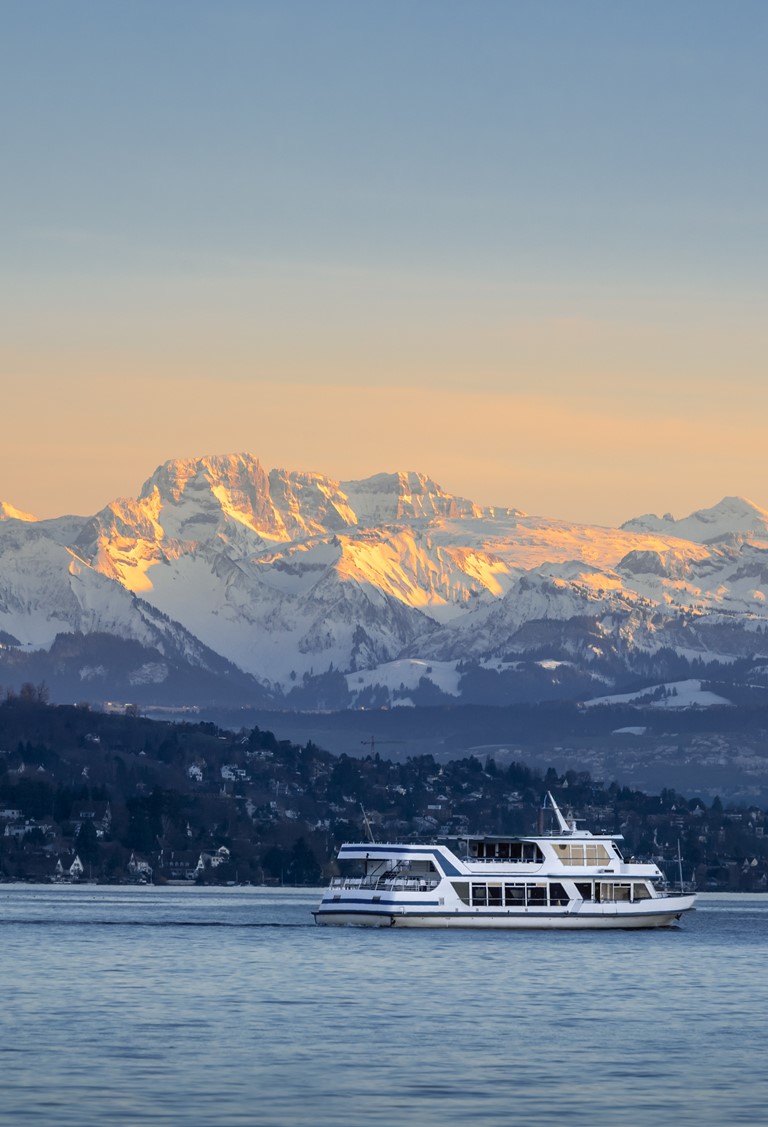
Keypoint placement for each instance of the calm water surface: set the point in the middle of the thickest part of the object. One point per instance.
(229, 1007)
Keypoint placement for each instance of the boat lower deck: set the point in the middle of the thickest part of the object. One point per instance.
(661, 912)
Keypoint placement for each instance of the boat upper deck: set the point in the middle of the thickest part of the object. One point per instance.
(562, 851)
(542, 855)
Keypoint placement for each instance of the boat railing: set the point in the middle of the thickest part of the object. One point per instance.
(504, 860)
(388, 883)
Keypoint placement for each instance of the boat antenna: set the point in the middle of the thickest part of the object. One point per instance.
(680, 864)
(564, 826)
(367, 825)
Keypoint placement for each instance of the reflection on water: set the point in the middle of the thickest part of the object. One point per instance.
(222, 1007)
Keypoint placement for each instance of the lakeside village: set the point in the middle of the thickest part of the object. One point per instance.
(87, 795)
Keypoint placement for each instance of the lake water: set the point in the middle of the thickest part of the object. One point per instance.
(222, 1007)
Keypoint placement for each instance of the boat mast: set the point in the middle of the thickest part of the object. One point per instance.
(367, 825)
(564, 826)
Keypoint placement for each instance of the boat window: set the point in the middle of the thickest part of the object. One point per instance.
(506, 851)
(417, 867)
(641, 892)
(584, 890)
(525, 851)
(354, 869)
(610, 890)
(582, 853)
(462, 890)
(557, 894)
(514, 895)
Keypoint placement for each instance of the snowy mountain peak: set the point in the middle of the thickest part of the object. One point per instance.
(733, 518)
(387, 498)
(193, 493)
(191, 497)
(310, 501)
(670, 564)
(219, 501)
(8, 512)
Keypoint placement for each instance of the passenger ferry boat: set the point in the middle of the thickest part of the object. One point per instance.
(567, 878)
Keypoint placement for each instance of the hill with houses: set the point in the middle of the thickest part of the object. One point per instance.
(87, 795)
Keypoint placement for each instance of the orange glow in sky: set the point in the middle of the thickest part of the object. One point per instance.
(519, 248)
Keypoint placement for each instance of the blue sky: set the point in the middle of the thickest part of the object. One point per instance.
(208, 208)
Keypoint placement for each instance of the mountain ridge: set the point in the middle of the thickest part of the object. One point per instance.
(300, 581)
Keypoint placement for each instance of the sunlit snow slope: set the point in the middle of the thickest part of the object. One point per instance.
(294, 576)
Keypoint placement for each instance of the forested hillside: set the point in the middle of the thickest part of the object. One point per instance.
(86, 794)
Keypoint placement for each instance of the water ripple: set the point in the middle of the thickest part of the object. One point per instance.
(182, 1006)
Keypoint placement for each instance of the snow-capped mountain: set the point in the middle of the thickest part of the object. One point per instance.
(8, 512)
(733, 519)
(311, 590)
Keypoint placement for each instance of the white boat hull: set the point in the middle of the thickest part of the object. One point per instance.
(664, 912)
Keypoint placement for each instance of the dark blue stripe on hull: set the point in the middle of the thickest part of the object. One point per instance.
(479, 916)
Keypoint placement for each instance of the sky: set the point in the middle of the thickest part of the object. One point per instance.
(519, 245)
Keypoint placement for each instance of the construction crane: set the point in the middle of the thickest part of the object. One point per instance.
(373, 743)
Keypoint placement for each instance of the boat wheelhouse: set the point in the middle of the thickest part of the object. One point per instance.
(567, 878)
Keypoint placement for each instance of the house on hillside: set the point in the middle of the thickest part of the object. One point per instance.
(179, 864)
(211, 860)
(99, 814)
(67, 870)
(139, 871)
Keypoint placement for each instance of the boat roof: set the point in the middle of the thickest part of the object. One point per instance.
(571, 835)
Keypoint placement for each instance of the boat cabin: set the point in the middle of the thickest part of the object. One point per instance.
(573, 852)
(503, 849)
